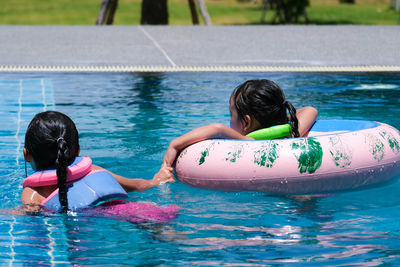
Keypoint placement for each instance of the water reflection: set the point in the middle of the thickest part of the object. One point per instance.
(308, 206)
(147, 97)
(147, 116)
(308, 234)
(79, 240)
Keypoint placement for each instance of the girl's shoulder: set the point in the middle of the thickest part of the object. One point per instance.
(30, 196)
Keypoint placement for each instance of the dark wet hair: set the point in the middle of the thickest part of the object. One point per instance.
(264, 100)
(52, 140)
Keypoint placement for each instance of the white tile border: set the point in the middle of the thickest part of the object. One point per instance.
(199, 69)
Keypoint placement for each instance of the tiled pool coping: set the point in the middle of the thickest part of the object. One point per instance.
(200, 48)
(197, 69)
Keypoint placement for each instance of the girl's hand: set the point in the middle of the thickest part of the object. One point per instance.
(164, 175)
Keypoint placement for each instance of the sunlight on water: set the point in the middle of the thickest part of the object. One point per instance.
(377, 87)
(126, 121)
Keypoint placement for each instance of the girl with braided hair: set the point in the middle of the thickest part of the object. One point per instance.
(254, 105)
(52, 142)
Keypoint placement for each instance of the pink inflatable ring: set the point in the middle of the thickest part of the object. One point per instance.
(337, 155)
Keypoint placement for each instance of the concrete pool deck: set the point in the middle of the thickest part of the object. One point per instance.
(201, 48)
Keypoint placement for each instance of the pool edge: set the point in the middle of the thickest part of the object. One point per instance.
(114, 68)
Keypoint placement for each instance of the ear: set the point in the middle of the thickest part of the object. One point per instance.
(27, 155)
(250, 124)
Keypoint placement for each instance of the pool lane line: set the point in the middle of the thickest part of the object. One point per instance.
(43, 94)
(21, 92)
(156, 44)
(51, 240)
(47, 102)
(12, 245)
(116, 68)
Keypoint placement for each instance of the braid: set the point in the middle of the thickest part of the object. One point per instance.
(293, 118)
(62, 164)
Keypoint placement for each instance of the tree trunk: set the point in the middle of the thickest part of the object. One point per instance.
(154, 12)
(111, 13)
(264, 12)
(289, 11)
(107, 12)
(193, 12)
(204, 12)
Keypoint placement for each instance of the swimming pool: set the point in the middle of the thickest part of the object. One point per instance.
(126, 121)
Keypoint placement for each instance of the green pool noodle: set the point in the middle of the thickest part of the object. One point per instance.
(273, 132)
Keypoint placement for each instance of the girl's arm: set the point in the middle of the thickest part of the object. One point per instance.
(33, 197)
(306, 117)
(129, 185)
(215, 130)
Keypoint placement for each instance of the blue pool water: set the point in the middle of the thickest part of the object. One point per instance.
(126, 121)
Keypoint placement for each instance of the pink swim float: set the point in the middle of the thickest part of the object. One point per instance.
(79, 169)
(337, 155)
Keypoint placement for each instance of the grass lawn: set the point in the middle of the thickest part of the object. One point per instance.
(222, 12)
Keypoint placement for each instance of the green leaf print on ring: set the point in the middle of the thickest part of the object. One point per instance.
(267, 154)
(341, 154)
(235, 153)
(308, 152)
(393, 142)
(205, 153)
(376, 146)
